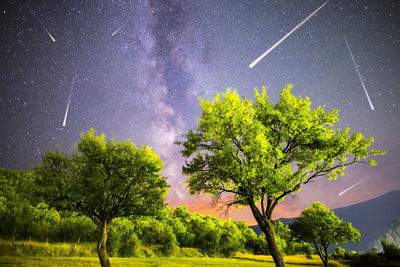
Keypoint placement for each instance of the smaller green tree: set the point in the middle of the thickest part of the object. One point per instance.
(320, 226)
(103, 180)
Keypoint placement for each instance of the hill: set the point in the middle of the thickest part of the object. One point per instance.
(371, 217)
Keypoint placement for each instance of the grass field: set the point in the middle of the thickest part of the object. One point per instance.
(239, 260)
(31, 253)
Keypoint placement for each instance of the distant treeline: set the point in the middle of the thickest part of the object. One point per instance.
(23, 216)
(390, 234)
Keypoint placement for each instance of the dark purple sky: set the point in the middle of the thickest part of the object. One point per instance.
(144, 81)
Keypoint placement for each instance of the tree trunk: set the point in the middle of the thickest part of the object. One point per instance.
(326, 256)
(323, 255)
(269, 232)
(101, 246)
(267, 226)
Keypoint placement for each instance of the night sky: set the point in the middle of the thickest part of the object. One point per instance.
(137, 68)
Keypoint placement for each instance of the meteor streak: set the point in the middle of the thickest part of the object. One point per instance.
(41, 23)
(52, 38)
(351, 187)
(358, 72)
(284, 37)
(114, 33)
(69, 98)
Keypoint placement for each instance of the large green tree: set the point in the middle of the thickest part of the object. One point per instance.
(103, 180)
(261, 152)
(320, 226)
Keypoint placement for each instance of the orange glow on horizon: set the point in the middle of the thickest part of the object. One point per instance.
(204, 206)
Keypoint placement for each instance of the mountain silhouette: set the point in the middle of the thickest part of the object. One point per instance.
(370, 217)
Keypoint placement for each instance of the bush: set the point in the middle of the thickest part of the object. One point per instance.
(390, 251)
(206, 233)
(340, 254)
(369, 259)
(76, 228)
(154, 232)
(130, 246)
(262, 246)
(183, 235)
(251, 240)
(231, 240)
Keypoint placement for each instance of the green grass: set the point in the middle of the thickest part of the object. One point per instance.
(45, 249)
(294, 260)
(33, 248)
(240, 260)
(31, 253)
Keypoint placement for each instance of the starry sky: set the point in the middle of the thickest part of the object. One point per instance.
(137, 68)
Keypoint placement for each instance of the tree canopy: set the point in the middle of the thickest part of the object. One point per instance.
(103, 180)
(320, 226)
(261, 152)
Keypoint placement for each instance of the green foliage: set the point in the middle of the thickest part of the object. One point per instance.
(287, 244)
(103, 179)
(389, 257)
(340, 254)
(320, 226)
(32, 248)
(151, 231)
(212, 235)
(121, 234)
(252, 242)
(265, 150)
(206, 234)
(45, 221)
(76, 228)
(24, 216)
(231, 239)
(157, 237)
(16, 185)
(368, 259)
(390, 251)
(15, 211)
(261, 152)
(182, 233)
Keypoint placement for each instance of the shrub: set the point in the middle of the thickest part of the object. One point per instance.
(183, 235)
(341, 254)
(390, 251)
(206, 233)
(130, 246)
(119, 232)
(76, 228)
(231, 239)
(153, 232)
(369, 259)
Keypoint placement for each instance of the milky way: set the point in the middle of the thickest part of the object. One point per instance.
(144, 64)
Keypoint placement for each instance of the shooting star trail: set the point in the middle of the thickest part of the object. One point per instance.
(52, 38)
(114, 33)
(351, 187)
(41, 23)
(284, 37)
(358, 72)
(69, 98)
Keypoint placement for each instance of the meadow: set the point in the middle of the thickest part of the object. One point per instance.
(240, 260)
(32, 253)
